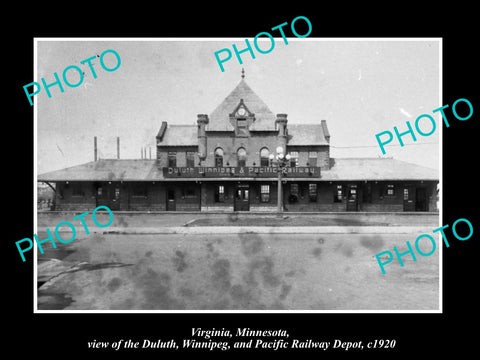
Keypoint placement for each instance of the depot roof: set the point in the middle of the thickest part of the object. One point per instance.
(264, 117)
(307, 134)
(180, 135)
(343, 169)
(362, 169)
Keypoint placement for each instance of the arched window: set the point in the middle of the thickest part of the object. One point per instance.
(264, 160)
(218, 157)
(241, 157)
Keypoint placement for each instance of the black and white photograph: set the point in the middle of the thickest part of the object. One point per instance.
(258, 188)
(216, 180)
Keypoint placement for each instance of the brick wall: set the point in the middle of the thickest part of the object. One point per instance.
(75, 196)
(192, 196)
(231, 144)
(162, 155)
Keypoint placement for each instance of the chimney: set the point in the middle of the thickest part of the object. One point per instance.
(282, 121)
(161, 132)
(202, 121)
(325, 130)
(118, 147)
(95, 148)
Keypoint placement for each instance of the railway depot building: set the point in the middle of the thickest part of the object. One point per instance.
(224, 163)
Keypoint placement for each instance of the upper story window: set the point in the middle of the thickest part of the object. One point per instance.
(218, 157)
(241, 157)
(264, 160)
(190, 156)
(172, 159)
(312, 158)
(294, 158)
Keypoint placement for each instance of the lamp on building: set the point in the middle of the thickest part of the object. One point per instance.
(281, 163)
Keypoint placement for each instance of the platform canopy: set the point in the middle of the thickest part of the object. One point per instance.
(343, 169)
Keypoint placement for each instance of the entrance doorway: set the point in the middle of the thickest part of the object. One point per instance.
(409, 198)
(420, 199)
(109, 195)
(242, 198)
(171, 199)
(352, 198)
(415, 199)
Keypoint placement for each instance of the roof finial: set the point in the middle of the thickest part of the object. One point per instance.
(243, 73)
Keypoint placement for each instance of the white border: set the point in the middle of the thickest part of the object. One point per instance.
(35, 116)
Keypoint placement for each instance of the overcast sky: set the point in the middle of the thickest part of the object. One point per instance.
(359, 87)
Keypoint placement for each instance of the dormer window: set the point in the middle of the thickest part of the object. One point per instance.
(240, 118)
(242, 129)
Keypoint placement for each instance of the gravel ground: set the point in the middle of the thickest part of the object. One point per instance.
(235, 271)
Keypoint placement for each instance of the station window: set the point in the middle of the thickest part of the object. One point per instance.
(219, 193)
(77, 190)
(338, 196)
(172, 159)
(190, 155)
(189, 193)
(241, 157)
(352, 192)
(312, 192)
(293, 198)
(218, 157)
(390, 190)
(264, 160)
(139, 190)
(99, 191)
(264, 193)
(405, 194)
(312, 158)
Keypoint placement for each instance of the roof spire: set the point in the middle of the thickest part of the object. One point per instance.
(243, 73)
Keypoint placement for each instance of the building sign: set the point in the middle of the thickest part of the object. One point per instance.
(247, 171)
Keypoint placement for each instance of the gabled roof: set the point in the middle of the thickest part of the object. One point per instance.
(264, 117)
(377, 169)
(179, 135)
(306, 135)
(108, 170)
